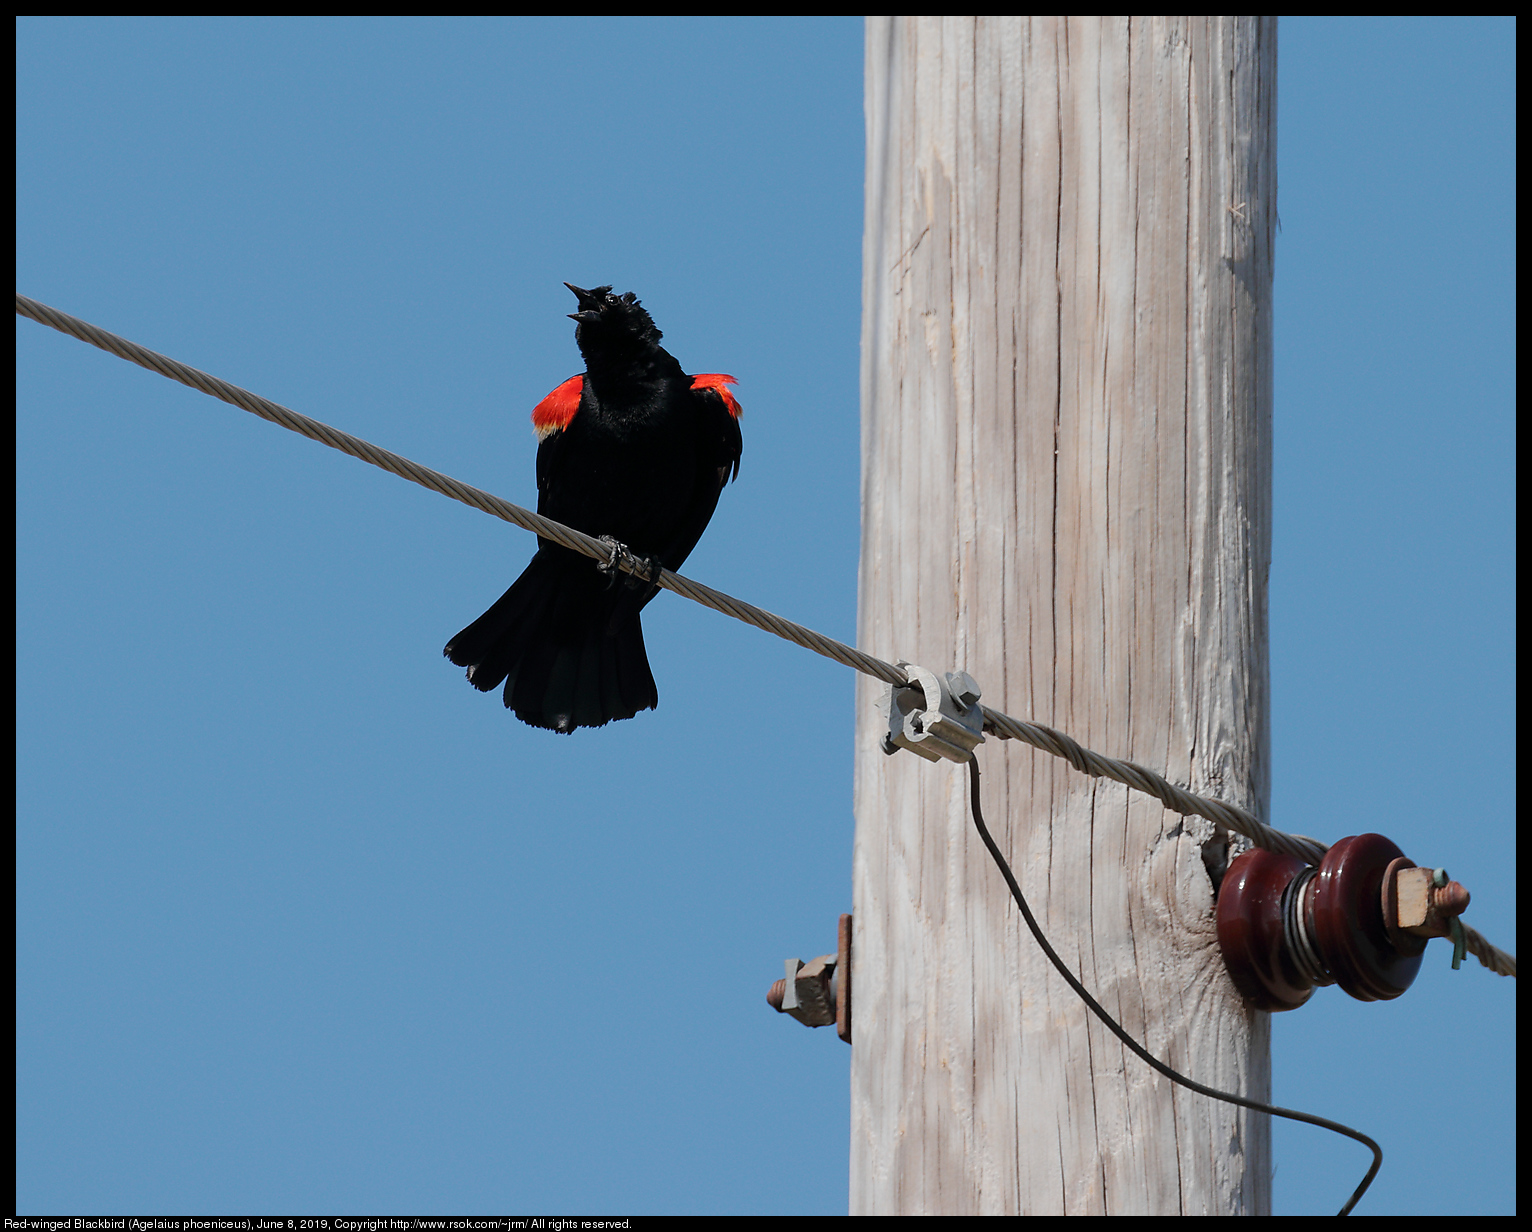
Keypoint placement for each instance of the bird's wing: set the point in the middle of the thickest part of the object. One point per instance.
(719, 413)
(549, 419)
(718, 448)
(555, 411)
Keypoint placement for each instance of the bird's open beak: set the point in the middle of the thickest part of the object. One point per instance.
(585, 314)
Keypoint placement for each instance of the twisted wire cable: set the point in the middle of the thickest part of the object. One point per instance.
(1136, 777)
(1496, 959)
(545, 528)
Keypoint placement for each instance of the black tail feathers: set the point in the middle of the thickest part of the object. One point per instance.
(569, 648)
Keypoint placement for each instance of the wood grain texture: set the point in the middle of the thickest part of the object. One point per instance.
(1066, 491)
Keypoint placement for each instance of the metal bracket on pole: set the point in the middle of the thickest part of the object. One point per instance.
(933, 716)
(818, 993)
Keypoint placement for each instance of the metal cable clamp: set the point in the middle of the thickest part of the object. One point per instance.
(933, 716)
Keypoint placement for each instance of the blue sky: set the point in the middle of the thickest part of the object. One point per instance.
(306, 925)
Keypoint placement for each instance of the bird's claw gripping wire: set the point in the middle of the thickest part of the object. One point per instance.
(609, 566)
(643, 572)
(649, 583)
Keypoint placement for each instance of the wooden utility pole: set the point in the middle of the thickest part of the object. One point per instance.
(1066, 492)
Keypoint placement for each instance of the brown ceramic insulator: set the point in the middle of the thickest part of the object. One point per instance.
(1250, 930)
(777, 994)
(1346, 921)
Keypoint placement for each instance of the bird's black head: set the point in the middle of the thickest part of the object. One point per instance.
(609, 324)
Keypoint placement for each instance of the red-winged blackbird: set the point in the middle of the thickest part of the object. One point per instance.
(633, 449)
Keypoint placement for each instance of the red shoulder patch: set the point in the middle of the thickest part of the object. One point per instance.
(555, 411)
(719, 383)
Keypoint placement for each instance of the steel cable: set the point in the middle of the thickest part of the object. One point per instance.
(1136, 777)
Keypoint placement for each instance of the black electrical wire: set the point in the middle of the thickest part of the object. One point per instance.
(1138, 1049)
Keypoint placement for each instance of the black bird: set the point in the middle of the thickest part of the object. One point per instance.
(634, 449)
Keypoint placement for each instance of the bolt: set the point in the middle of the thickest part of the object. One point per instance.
(1448, 898)
(1423, 901)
